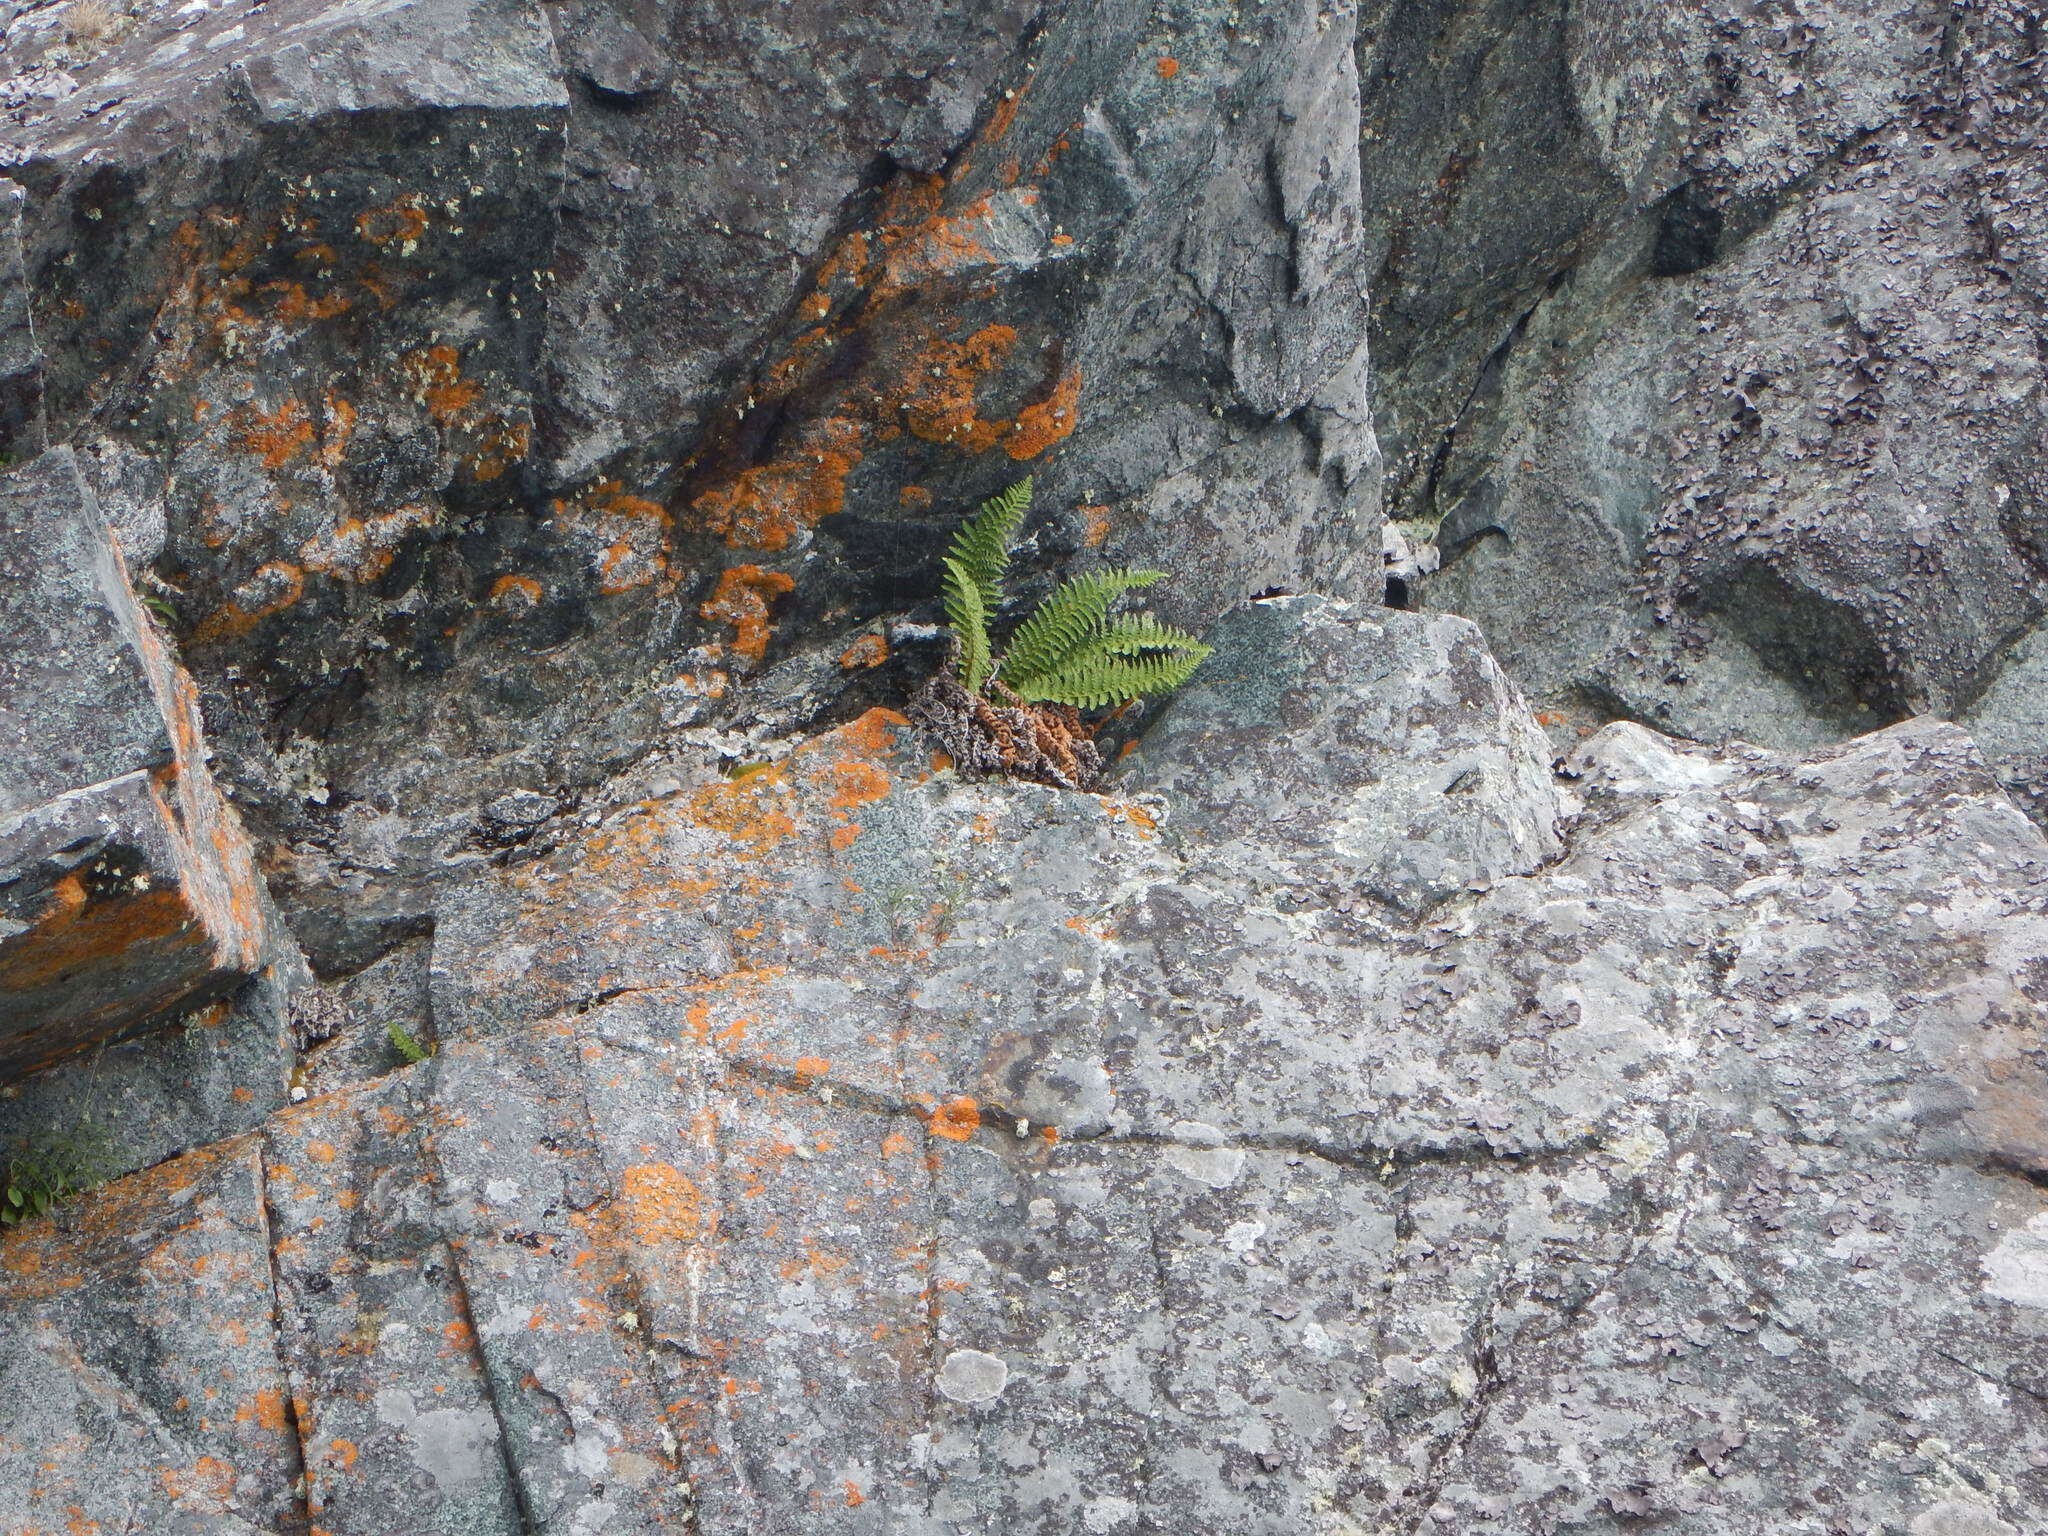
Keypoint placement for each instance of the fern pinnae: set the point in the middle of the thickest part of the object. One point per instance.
(982, 546)
(1075, 613)
(967, 611)
(1105, 680)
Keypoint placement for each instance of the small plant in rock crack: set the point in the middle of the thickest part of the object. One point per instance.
(46, 1171)
(1018, 711)
(409, 1049)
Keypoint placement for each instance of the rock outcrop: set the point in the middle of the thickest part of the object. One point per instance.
(570, 1057)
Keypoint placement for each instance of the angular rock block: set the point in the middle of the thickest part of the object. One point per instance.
(126, 887)
(1363, 746)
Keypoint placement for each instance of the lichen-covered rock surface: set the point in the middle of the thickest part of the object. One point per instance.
(569, 1057)
(842, 1146)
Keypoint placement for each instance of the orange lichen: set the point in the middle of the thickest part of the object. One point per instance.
(955, 1120)
(274, 588)
(337, 427)
(277, 437)
(267, 1410)
(741, 600)
(1052, 420)
(1168, 67)
(921, 241)
(502, 446)
(362, 550)
(294, 307)
(401, 223)
(913, 498)
(435, 374)
(662, 1205)
(507, 589)
(867, 651)
(854, 784)
(1097, 526)
(1005, 114)
(765, 506)
(941, 406)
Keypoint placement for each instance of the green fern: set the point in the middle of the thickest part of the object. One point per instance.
(403, 1043)
(1075, 613)
(974, 577)
(1071, 650)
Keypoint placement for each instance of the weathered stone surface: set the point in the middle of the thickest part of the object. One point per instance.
(1434, 777)
(511, 385)
(21, 364)
(126, 888)
(1712, 337)
(841, 1146)
(542, 422)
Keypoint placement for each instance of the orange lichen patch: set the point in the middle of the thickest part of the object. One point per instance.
(853, 784)
(869, 650)
(1097, 529)
(362, 550)
(337, 427)
(320, 1151)
(503, 445)
(274, 588)
(741, 600)
(809, 1069)
(1168, 68)
(1136, 815)
(341, 1454)
(435, 374)
(955, 1120)
(661, 1205)
(507, 591)
(210, 1479)
(1005, 114)
(921, 241)
(766, 506)
(399, 223)
(854, 1497)
(1052, 420)
(267, 1410)
(913, 498)
(277, 437)
(294, 307)
(748, 811)
(1063, 240)
(940, 407)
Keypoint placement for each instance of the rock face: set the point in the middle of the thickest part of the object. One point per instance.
(1719, 328)
(126, 888)
(841, 1146)
(570, 1057)
(498, 397)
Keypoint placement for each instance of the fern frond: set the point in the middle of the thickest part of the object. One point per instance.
(1128, 659)
(967, 611)
(1075, 614)
(982, 546)
(975, 566)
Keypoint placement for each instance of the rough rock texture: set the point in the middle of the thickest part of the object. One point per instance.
(1711, 334)
(844, 1147)
(126, 888)
(525, 432)
(498, 387)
